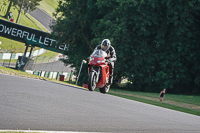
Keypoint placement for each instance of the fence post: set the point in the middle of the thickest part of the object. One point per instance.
(83, 62)
(35, 61)
(58, 65)
(52, 75)
(3, 62)
(10, 58)
(70, 76)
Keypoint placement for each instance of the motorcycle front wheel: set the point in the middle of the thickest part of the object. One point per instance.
(92, 81)
(105, 89)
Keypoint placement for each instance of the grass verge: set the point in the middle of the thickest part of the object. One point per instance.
(181, 104)
(48, 56)
(9, 71)
(49, 6)
(13, 72)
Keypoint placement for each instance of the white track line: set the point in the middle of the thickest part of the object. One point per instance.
(42, 131)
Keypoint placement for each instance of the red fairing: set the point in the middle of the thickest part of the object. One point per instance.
(96, 61)
(104, 74)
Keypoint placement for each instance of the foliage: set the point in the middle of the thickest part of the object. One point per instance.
(27, 5)
(157, 42)
(73, 28)
(170, 103)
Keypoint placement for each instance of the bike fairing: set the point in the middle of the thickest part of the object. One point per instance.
(98, 71)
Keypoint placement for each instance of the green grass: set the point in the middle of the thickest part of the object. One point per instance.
(48, 56)
(8, 60)
(9, 44)
(10, 71)
(184, 103)
(19, 73)
(190, 99)
(186, 99)
(48, 6)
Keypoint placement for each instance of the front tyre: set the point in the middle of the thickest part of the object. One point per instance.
(105, 89)
(92, 81)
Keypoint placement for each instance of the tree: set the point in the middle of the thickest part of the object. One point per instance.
(8, 10)
(157, 42)
(73, 28)
(27, 5)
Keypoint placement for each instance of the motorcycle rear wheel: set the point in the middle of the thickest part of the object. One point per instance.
(92, 81)
(105, 89)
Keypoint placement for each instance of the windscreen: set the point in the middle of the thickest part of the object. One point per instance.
(99, 53)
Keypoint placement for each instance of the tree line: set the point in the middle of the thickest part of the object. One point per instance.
(157, 42)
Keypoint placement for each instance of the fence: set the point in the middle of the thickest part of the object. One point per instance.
(7, 63)
(51, 68)
(45, 67)
(8, 54)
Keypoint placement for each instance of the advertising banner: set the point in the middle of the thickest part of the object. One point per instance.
(30, 36)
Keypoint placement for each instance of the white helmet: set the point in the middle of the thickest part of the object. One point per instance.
(105, 44)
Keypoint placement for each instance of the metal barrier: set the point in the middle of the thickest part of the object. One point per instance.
(44, 66)
(51, 68)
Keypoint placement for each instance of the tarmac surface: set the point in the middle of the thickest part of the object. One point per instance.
(42, 17)
(29, 104)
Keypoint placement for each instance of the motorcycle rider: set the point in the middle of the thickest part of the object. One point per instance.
(111, 58)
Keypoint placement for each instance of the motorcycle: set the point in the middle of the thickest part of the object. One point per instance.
(98, 71)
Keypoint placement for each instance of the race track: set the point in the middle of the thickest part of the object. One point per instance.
(42, 105)
(42, 17)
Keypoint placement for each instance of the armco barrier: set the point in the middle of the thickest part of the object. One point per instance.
(16, 55)
(53, 75)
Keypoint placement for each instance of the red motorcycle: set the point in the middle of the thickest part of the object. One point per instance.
(98, 71)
